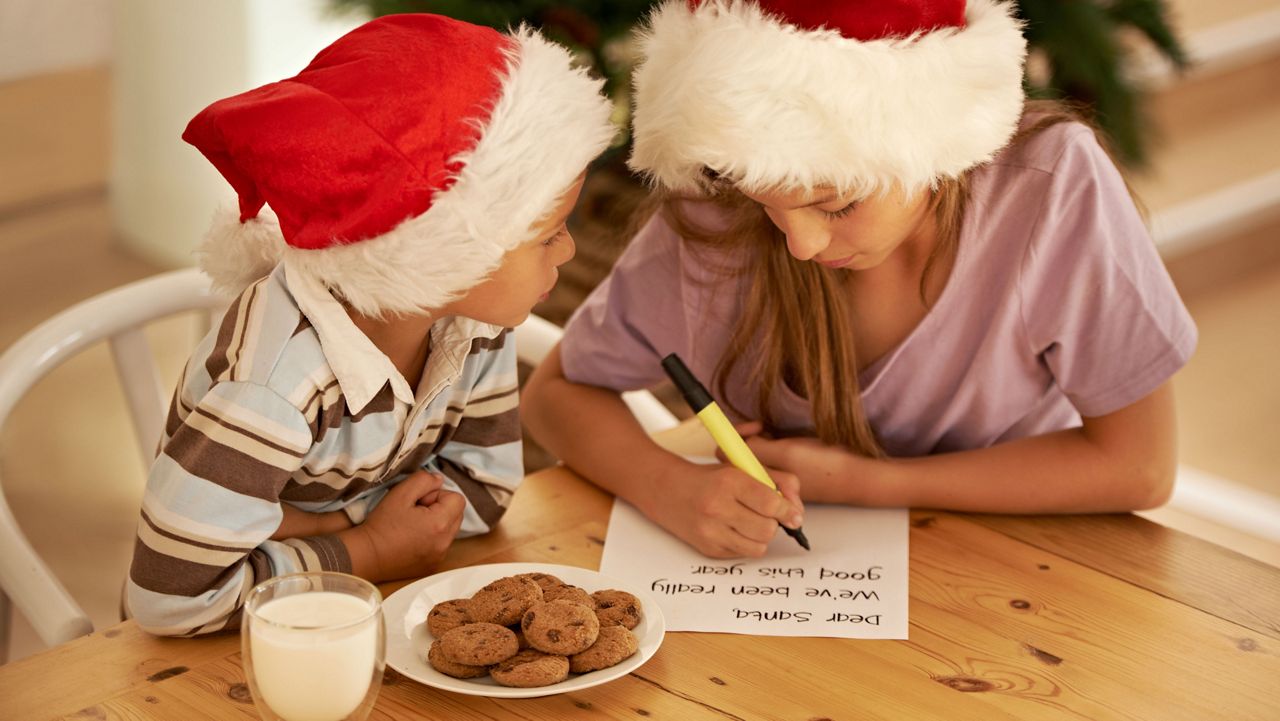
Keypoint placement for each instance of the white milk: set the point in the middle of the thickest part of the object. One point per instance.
(311, 674)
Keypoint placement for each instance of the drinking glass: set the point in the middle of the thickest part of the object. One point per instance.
(313, 647)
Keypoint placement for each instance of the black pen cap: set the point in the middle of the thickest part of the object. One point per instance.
(694, 393)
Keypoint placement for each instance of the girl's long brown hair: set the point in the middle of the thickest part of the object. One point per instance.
(796, 326)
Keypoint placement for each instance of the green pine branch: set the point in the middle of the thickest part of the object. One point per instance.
(1088, 63)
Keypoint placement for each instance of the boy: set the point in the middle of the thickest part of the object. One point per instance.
(355, 410)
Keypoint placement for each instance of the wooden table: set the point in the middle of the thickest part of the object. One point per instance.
(1073, 617)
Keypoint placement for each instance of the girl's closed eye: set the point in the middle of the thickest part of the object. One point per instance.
(843, 211)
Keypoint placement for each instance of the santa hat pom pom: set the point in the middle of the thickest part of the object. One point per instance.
(235, 254)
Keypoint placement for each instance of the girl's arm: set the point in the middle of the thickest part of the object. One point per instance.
(718, 510)
(1122, 461)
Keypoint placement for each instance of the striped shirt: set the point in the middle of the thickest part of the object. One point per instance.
(287, 401)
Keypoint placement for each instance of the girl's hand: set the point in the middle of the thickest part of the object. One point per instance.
(409, 532)
(827, 474)
(724, 513)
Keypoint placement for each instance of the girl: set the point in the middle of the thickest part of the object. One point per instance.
(355, 410)
(912, 288)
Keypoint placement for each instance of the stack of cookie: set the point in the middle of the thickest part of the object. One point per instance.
(532, 630)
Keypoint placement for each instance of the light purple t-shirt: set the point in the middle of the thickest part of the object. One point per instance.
(1057, 306)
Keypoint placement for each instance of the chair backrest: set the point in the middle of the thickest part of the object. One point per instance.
(117, 316)
(536, 337)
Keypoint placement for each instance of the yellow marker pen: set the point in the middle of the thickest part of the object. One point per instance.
(718, 425)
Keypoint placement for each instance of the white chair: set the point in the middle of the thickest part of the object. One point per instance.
(117, 316)
(536, 337)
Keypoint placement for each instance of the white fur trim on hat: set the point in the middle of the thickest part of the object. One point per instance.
(548, 124)
(235, 254)
(725, 86)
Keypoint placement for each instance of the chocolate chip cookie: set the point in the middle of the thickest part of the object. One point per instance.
(544, 580)
(520, 639)
(531, 668)
(439, 662)
(504, 601)
(479, 644)
(614, 644)
(566, 592)
(446, 616)
(560, 627)
(617, 608)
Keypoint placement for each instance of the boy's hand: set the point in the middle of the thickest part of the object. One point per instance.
(724, 513)
(296, 523)
(408, 533)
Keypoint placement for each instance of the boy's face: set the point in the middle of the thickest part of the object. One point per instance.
(527, 274)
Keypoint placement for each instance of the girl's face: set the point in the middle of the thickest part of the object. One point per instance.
(527, 274)
(843, 232)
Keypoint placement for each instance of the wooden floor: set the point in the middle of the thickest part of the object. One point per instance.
(67, 459)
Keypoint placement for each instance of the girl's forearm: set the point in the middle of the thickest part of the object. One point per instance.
(1121, 461)
(593, 432)
(1062, 472)
(1125, 460)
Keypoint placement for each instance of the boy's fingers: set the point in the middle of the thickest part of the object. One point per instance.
(450, 504)
(437, 480)
(420, 484)
(450, 509)
(407, 491)
(747, 429)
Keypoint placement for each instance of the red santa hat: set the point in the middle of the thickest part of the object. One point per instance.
(861, 95)
(402, 163)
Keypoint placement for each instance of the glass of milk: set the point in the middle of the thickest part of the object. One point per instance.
(313, 647)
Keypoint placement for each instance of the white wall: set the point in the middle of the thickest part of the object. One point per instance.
(44, 36)
(173, 58)
(169, 59)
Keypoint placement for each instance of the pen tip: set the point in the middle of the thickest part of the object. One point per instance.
(798, 534)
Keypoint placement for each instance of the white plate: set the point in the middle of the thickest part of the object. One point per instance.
(408, 638)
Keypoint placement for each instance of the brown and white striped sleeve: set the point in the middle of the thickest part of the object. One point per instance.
(210, 507)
